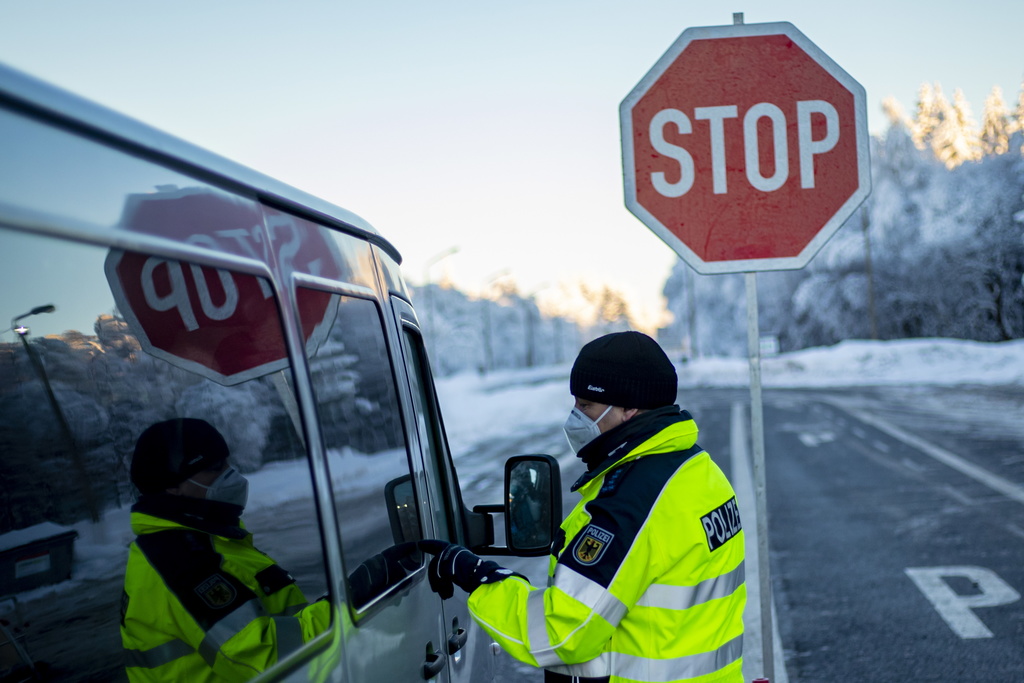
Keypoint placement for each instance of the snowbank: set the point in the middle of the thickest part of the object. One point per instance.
(476, 407)
(861, 363)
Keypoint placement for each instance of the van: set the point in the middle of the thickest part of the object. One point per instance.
(146, 279)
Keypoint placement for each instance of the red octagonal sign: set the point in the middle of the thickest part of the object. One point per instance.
(220, 324)
(745, 148)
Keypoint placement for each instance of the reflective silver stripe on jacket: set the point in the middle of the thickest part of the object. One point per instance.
(656, 670)
(292, 610)
(537, 630)
(684, 597)
(289, 635)
(159, 655)
(590, 593)
(227, 627)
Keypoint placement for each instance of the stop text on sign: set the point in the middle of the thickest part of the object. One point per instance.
(178, 295)
(716, 116)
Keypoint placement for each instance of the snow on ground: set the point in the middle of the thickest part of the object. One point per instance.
(862, 363)
(476, 407)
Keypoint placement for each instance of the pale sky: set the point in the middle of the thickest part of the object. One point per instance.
(490, 127)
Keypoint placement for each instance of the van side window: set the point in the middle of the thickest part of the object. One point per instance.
(109, 343)
(431, 439)
(374, 495)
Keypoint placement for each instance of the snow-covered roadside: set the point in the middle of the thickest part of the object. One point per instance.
(872, 363)
(476, 407)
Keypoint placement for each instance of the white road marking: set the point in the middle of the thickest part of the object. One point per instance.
(975, 472)
(957, 495)
(913, 466)
(955, 609)
(1014, 529)
(814, 439)
(743, 483)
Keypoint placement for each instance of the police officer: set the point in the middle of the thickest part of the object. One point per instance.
(646, 579)
(200, 602)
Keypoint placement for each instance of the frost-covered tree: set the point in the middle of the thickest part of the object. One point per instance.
(928, 114)
(995, 124)
(610, 311)
(501, 330)
(1017, 121)
(719, 318)
(955, 139)
(895, 113)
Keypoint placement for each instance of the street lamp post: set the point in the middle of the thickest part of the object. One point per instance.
(37, 365)
(428, 295)
(21, 330)
(488, 333)
(530, 303)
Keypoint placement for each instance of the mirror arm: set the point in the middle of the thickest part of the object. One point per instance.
(479, 526)
(481, 530)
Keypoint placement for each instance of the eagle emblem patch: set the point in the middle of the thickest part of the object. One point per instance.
(217, 592)
(591, 545)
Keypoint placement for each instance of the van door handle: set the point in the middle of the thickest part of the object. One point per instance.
(434, 663)
(457, 640)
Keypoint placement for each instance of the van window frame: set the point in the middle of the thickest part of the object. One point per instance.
(361, 615)
(455, 508)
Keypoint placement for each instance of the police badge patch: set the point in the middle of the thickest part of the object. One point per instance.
(217, 592)
(591, 545)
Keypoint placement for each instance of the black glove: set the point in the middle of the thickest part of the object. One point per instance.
(380, 572)
(453, 564)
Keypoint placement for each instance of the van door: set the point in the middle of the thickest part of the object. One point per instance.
(395, 628)
(468, 645)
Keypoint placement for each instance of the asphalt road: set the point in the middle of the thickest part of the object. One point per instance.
(896, 529)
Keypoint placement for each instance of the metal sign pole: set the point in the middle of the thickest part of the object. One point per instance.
(760, 492)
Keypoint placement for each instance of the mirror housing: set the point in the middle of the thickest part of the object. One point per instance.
(401, 506)
(532, 507)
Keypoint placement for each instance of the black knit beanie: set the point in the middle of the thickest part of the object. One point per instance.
(170, 452)
(626, 369)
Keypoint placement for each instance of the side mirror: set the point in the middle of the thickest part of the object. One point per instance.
(533, 504)
(401, 505)
(532, 509)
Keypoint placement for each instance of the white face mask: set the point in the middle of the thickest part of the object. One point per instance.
(229, 487)
(580, 429)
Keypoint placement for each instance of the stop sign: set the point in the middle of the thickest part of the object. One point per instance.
(745, 148)
(221, 324)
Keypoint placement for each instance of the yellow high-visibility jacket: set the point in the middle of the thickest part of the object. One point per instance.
(207, 606)
(648, 582)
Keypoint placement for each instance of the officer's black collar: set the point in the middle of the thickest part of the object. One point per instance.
(211, 516)
(607, 449)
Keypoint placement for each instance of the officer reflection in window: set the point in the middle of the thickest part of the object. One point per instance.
(200, 602)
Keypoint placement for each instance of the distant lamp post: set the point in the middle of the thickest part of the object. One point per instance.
(22, 330)
(488, 333)
(37, 365)
(426, 282)
(529, 304)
